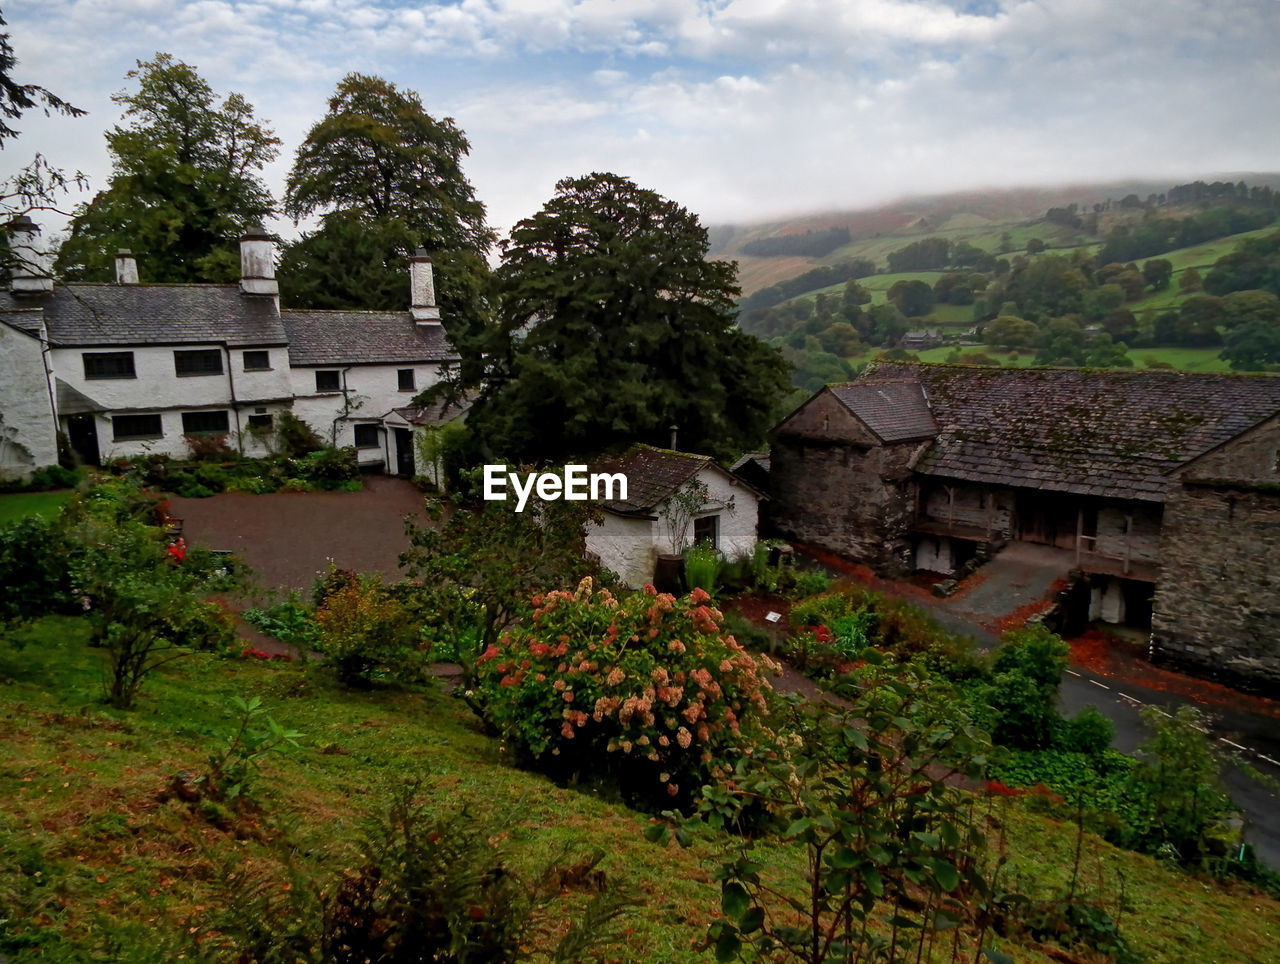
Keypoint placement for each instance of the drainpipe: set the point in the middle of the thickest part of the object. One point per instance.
(235, 405)
(45, 351)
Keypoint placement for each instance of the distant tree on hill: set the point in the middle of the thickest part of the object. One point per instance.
(1035, 246)
(1253, 347)
(1006, 331)
(1157, 272)
(810, 244)
(913, 298)
(1189, 281)
(821, 277)
(928, 254)
(1254, 264)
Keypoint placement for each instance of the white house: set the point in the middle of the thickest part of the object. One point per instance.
(637, 529)
(127, 369)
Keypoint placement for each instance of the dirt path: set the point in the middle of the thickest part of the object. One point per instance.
(289, 537)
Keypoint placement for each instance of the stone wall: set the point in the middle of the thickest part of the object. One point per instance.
(851, 500)
(1217, 606)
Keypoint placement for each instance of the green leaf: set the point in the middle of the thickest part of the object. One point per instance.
(942, 921)
(845, 858)
(752, 920)
(728, 945)
(871, 877)
(734, 900)
(995, 956)
(656, 832)
(797, 828)
(946, 874)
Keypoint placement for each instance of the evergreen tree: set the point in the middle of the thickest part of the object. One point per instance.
(613, 326)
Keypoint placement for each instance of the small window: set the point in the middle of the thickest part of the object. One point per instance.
(128, 428)
(707, 529)
(406, 379)
(367, 436)
(257, 361)
(261, 423)
(328, 381)
(205, 423)
(108, 364)
(201, 361)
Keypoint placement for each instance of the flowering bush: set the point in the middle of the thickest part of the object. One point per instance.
(648, 689)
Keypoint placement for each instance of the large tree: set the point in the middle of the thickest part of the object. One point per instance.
(613, 327)
(385, 178)
(185, 181)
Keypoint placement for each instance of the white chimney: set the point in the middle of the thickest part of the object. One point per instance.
(422, 290)
(32, 273)
(126, 268)
(258, 263)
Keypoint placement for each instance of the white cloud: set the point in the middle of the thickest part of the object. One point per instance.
(736, 108)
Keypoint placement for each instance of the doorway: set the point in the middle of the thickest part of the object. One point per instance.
(82, 433)
(404, 452)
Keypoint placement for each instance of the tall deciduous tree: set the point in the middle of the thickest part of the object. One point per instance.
(185, 181)
(386, 178)
(614, 327)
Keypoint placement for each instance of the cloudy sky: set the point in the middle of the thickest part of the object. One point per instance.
(738, 109)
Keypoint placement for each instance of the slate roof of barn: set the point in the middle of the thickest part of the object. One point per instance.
(362, 337)
(91, 314)
(894, 408)
(1114, 434)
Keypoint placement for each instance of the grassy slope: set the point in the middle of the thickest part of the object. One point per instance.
(1186, 359)
(95, 856)
(19, 506)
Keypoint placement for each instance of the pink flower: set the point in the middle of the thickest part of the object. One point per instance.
(615, 677)
(676, 646)
(684, 738)
(698, 596)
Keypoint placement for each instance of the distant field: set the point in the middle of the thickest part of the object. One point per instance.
(47, 504)
(1184, 359)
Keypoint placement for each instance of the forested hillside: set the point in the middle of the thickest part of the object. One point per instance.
(1181, 277)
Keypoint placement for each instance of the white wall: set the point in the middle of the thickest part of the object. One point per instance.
(626, 546)
(630, 547)
(738, 527)
(372, 391)
(28, 439)
(158, 386)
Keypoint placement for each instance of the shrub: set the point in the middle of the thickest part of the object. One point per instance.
(363, 629)
(1088, 732)
(329, 468)
(648, 688)
(235, 763)
(810, 582)
(702, 567)
(213, 447)
(1023, 691)
(33, 570)
(294, 437)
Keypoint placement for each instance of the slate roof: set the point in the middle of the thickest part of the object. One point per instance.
(438, 413)
(82, 314)
(653, 476)
(1102, 433)
(894, 408)
(362, 337)
(23, 319)
(72, 401)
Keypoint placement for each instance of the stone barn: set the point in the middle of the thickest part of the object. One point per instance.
(923, 467)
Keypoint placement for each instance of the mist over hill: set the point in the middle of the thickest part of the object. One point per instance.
(978, 216)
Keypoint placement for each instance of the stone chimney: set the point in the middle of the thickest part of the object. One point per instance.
(126, 268)
(422, 290)
(32, 272)
(258, 263)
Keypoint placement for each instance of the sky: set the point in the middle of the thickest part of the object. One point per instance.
(741, 110)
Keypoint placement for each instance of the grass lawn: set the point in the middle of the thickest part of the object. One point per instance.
(101, 863)
(47, 504)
